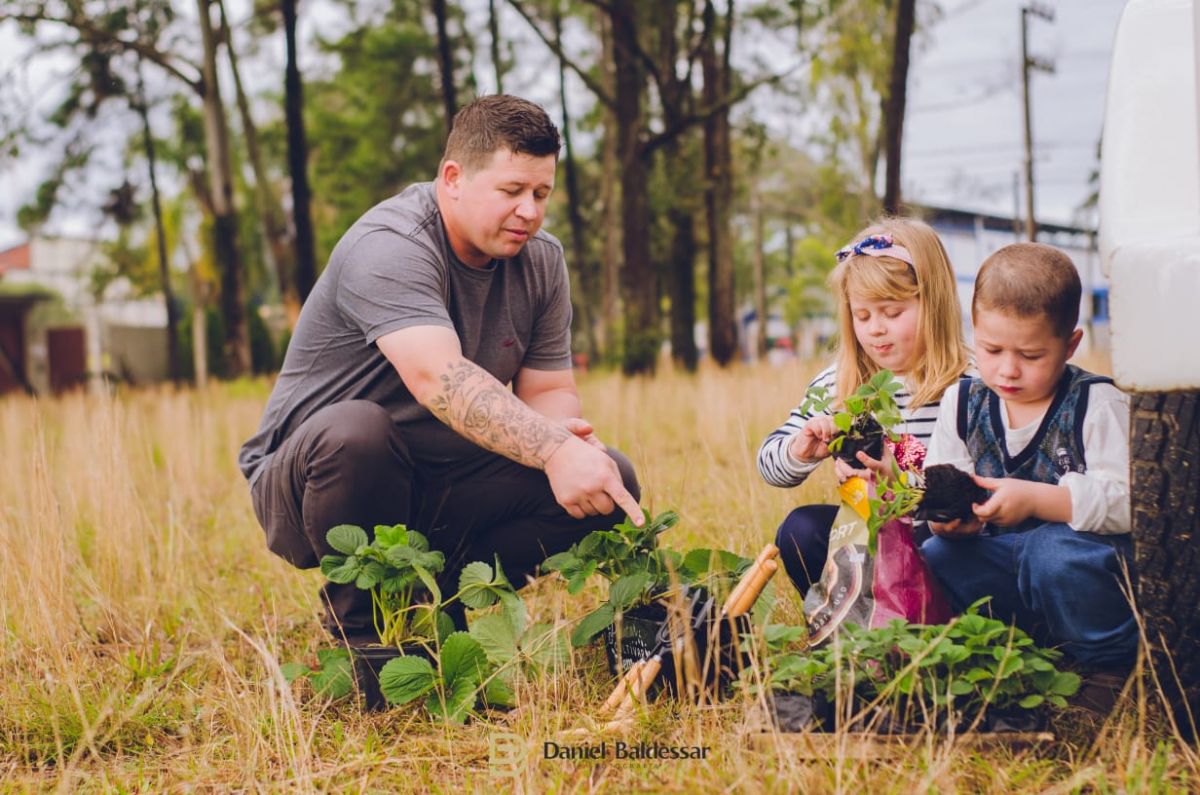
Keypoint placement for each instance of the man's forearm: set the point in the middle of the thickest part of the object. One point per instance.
(557, 404)
(479, 408)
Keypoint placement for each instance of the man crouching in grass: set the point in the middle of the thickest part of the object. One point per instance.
(393, 405)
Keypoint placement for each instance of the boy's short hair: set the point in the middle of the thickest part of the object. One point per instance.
(500, 121)
(1030, 279)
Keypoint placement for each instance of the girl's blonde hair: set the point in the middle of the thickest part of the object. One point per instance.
(941, 355)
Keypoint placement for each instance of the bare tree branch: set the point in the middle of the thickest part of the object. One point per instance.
(702, 114)
(89, 32)
(595, 87)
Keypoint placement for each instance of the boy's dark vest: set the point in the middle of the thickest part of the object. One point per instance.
(1055, 450)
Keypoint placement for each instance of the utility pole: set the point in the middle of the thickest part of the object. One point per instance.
(1030, 62)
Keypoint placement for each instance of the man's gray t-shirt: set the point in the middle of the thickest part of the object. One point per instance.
(394, 269)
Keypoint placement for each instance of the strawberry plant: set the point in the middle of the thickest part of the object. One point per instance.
(636, 568)
(970, 666)
(865, 417)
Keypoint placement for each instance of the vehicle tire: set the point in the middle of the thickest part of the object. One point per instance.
(1165, 496)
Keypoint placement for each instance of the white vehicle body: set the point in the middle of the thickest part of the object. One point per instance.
(1150, 196)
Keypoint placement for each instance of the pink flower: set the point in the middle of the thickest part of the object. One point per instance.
(909, 452)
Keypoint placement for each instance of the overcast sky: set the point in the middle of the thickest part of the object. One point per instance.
(963, 140)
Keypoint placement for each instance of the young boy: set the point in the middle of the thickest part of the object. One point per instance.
(1051, 443)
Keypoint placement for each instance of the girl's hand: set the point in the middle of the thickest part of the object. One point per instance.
(882, 467)
(958, 528)
(1012, 501)
(845, 471)
(811, 443)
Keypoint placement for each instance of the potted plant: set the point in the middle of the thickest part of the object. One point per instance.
(399, 570)
(863, 420)
(972, 673)
(947, 493)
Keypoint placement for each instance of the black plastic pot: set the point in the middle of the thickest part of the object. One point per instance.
(368, 661)
(713, 640)
(793, 712)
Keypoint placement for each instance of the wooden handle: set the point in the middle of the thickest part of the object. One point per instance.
(753, 589)
(618, 694)
(769, 552)
(648, 672)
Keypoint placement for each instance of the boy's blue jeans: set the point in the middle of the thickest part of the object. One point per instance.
(1062, 586)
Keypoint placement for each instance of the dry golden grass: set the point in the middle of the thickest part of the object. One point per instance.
(144, 620)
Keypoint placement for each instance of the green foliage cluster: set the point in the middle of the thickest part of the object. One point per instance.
(972, 664)
(875, 399)
(636, 568)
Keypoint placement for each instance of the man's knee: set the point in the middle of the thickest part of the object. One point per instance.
(357, 433)
(1057, 553)
(628, 475)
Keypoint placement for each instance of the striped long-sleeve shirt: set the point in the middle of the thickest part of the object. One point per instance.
(779, 468)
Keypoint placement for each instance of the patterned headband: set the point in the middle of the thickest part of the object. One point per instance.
(876, 246)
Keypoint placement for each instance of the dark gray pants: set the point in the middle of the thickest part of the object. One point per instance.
(350, 464)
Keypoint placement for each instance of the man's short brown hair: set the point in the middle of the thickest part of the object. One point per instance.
(500, 121)
(1030, 279)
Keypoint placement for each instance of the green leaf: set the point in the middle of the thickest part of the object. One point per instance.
(370, 575)
(293, 670)
(331, 562)
(495, 634)
(512, 607)
(347, 538)
(406, 678)
(1065, 683)
(475, 587)
(429, 582)
(546, 646)
(345, 573)
(580, 578)
(401, 557)
(462, 657)
(335, 679)
(562, 561)
(592, 625)
(843, 421)
(499, 693)
(960, 687)
(1032, 700)
(855, 404)
(628, 590)
(390, 536)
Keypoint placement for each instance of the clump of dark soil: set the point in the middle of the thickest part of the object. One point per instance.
(949, 494)
(866, 435)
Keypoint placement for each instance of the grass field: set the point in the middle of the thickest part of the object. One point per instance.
(144, 622)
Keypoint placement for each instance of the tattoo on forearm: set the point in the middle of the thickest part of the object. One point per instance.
(479, 408)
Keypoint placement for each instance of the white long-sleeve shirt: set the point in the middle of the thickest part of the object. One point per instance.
(1100, 496)
(775, 461)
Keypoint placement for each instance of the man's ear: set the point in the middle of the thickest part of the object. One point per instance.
(451, 176)
(1073, 341)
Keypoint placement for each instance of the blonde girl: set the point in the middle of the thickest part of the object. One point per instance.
(898, 310)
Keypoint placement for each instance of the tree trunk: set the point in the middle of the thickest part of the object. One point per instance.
(270, 213)
(306, 250)
(494, 30)
(760, 280)
(894, 108)
(683, 288)
(1165, 500)
(445, 64)
(718, 194)
(174, 369)
(581, 263)
(611, 266)
(638, 279)
(225, 246)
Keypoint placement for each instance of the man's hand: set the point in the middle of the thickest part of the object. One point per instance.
(584, 430)
(1012, 501)
(586, 482)
(959, 528)
(811, 443)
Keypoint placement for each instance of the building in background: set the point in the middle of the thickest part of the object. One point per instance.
(56, 333)
(970, 237)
